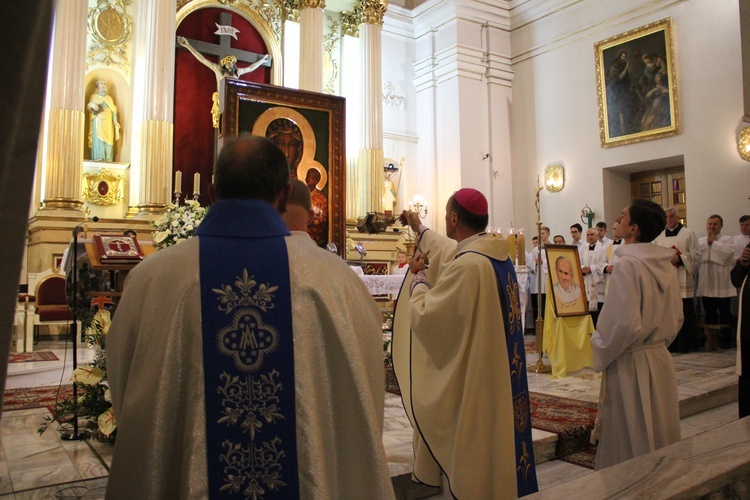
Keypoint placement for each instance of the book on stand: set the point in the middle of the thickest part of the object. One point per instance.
(118, 249)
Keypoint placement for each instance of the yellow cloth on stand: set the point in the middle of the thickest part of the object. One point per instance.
(567, 340)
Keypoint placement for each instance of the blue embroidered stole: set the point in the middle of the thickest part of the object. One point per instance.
(510, 304)
(248, 352)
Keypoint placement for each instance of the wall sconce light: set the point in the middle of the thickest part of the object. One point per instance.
(743, 143)
(554, 176)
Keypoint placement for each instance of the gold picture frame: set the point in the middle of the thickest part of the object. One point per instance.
(566, 280)
(636, 85)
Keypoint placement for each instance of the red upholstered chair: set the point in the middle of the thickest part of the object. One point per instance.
(51, 303)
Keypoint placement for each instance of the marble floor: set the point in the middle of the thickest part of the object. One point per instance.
(44, 466)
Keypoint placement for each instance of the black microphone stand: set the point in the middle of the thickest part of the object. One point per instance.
(75, 435)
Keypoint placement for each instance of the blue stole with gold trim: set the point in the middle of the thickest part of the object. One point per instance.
(248, 352)
(510, 304)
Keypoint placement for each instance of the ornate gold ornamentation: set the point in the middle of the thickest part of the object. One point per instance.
(514, 314)
(110, 29)
(215, 113)
(371, 11)
(312, 4)
(103, 187)
(350, 22)
(521, 412)
(330, 61)
(291, 10)
(524, 461)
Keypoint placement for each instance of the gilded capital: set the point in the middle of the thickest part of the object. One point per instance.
(291, 10)
(350, 23)
(312, 4)
(371, 11)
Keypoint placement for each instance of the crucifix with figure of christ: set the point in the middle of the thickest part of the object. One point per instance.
(228, 58)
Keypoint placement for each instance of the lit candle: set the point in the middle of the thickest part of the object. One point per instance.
(178, 182)
(512, 248)
(521, 244)
(196, 183)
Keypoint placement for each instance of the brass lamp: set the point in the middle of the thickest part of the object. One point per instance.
(554, 177)
(743, 143)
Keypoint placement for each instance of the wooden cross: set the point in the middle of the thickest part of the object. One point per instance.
(224, 47)
(101, 301)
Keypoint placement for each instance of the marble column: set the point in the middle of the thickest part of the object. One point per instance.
(370, 162)
(62, 165)
(311, 45)
(153, 113)
(464, 87)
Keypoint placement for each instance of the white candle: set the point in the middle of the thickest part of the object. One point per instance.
(196, 183)
(178, 182)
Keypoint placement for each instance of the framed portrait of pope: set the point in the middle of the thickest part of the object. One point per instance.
(309, 128)
(566, 280)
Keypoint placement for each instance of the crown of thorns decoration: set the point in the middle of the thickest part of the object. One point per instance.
(228, 60)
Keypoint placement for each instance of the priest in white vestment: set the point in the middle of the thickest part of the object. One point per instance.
(330, 331)
(684, 244)
(714, 283)
(593, 262)
(638, 405)
(465, 397)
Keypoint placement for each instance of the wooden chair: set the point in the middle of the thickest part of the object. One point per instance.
(51, 305)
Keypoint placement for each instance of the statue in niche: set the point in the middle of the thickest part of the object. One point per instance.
(105, 128)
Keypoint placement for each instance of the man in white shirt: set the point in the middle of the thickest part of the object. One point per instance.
(593, 261)
(601, 228)
(686, 258)
(714, 285)
(539, 255)
(576, 230)
(743, 239)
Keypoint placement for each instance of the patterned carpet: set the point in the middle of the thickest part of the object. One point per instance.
(35, 397)
(570, 419)
(25, 357)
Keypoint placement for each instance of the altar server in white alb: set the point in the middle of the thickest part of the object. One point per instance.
(244, 361)
(638, 406)
(465, 387)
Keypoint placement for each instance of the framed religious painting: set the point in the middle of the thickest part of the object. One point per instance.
(309, 128)
(636, 85)
(566, 280)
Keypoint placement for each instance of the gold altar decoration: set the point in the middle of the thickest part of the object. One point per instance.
(103, 187)
(290, 9)
(110, 29)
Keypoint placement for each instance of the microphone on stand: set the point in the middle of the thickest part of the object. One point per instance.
(75, 435)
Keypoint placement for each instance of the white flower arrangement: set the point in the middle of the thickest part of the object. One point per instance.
(178, 224)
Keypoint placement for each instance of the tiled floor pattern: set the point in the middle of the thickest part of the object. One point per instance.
(44, 466)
